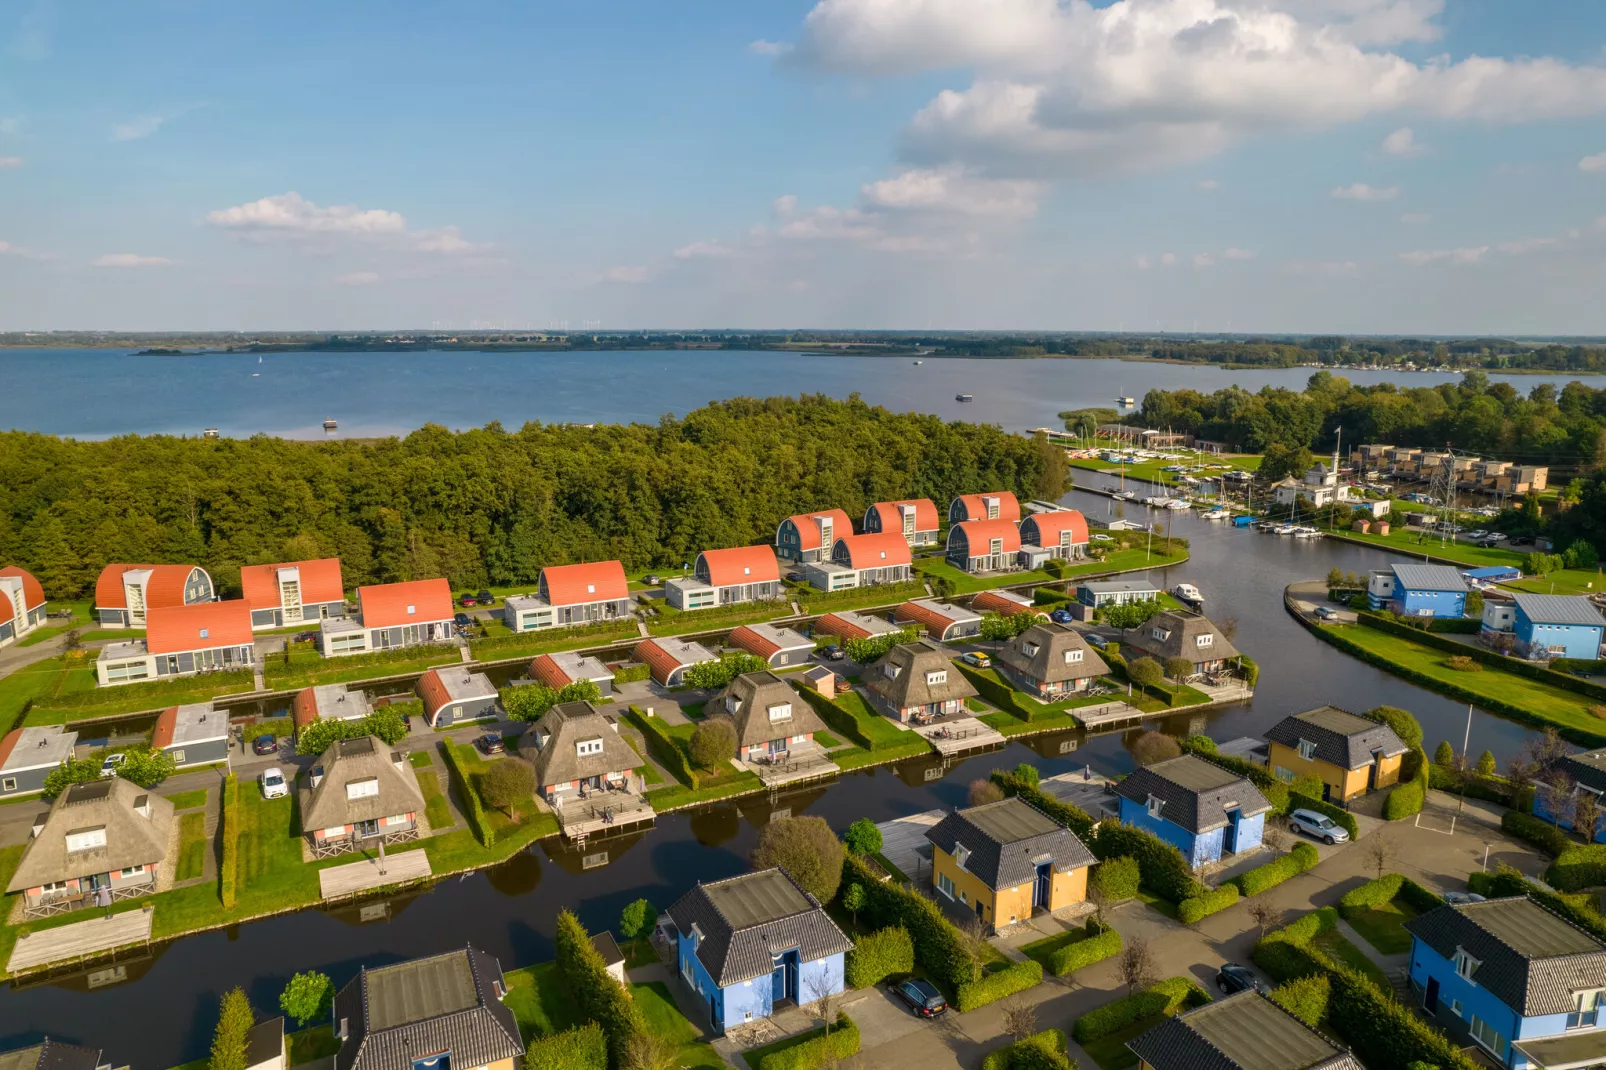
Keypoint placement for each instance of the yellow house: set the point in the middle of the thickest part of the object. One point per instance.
(1007, 861)
(1351, 755)
(1246, 1031)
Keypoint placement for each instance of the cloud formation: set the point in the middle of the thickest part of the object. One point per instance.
(129, 260)
(10, 161)
(141, 127)
(1463, 255)
(1360, 191)
(1403, 143)
(289, 216)
(1594, 164)
(629, 275)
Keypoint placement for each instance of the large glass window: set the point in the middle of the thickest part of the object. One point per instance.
(1586, 1009)
(1488, 1036)
(945, 885)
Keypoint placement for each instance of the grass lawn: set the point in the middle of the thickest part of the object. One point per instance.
(421, 759)
(436, 810)
(504, 644)
(912, 746)
(693, 710)
(1164, 906)
(36, 682)
(639, 952)
(80, 619)
(317, 1042)
(1384, 926)
(63, 690)
(877, 729)
(541, 1001)
(671, 621)
(1111, 1052)
(664, 1019)
(187, 800)
(958, 582)
(1416, 543)
(827, 740)
(1337, 948)
(191, 846)
(675, 796)
(1043, 950)
(1564, 581)
(308, 667)
(814, 601)
(649, 772)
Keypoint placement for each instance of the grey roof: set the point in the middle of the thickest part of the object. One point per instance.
(1560, 609)
(443, 1003)
(1117, 586)
(1245, 1031)
(461, 684)
(1342, 738)
(38, 746)
(50, 1055)
(1588, 768)
(1196, 793)
(348, 761)
(1582, 1048)
(1179, 637)
(558, 734)
(1006, 840)
(899, 676)
(336, 702)
(581, 666)
(197, 722)
(112, 803)
(264, 1043)
(1530, 959)
(751, 696)
(607, 947)
(745, 921)
(1429, 577)
(1039, 652)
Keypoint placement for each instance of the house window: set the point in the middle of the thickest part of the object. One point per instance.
(945, 885)
(1161, 634)
(1307, 749)
(1285, 775)
(1072, 656)
(363, 789)
(588, 746)
(591, 588)
(995, 546)
(1204, 640)
(1156, 804)
(781, 712)
(178, 757)
(1586, 1008)
(441, 1061)
(132, 871)
(86, 839)
(1465, 964)
(961, 855)
(1455, 1008)
(204, 633)
(1029, 649)
(1488, 1036)
(411, 610)
(8, 784)
(936, 676)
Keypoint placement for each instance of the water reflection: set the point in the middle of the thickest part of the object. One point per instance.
(519, 875)
(717, 824)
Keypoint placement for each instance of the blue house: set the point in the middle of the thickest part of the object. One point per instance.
(1520, 982)
(1206, 811)
(1557, 626)
(1588, 773)
(755, 944)
(1418, 591)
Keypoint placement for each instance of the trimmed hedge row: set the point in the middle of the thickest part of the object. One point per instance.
(1163, 997)
(1196, 908)
(1298, 800)
(1040, 1051)
(1542, 834)
(1292, 864)
(878, 955)
(994, 691)
(1408, 796)
(631, 674)
(939, 947)
(1073, 957)
(1495, 789)
(1505, 881)
(664, 747)
(228, 869)
(1048, 596)
(1306, 998)
(1593, 667)
(1071, 816)
(1580, 866)
(1165, 872)
(582, 1048)
(823, 1050)
(598, 996)
(478, 820)
(1520, 667)
(1251, 669)
(1385, 889)
(837, 719)
(991, 987)
(1118, 879)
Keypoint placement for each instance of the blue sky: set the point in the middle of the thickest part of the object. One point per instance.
(1277, 165)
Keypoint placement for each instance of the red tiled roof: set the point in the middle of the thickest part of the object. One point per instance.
(304, 707)
(976, 509)
(753, 643)
(165, 587)
(808, 532)
(892, 519)
(385, 605)
(432, 689)
(1050, 525)
(575, 585)
(320, 582)
(549, 672)
(935, 623)
(995, 602)
(9, 744)
(879, 549)
(33, 595)
(174, 629)
(660, 661)
(834, 624)
(726, 567)
(979, 534)
(166, 724)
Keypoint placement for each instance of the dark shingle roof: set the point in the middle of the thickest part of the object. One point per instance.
(422, 1006)
(745, 921)
(1196, 792)
(1342, 738)
(1006, 840)
(1589, 768)
(1529, 959)
(1246, 1031)
(50, 1055)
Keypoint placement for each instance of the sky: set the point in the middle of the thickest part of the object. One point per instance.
(1354, 166)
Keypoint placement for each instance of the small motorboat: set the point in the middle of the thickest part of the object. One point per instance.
(964, 397)
(210, 432)
(1176, 504)
(330, 425)
(919, 362)
(1284, 529)
(1188, 595)
(1126, 401)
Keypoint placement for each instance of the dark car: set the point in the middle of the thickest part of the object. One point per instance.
(796, 576)
(462, 620)
(922, 997)
(486, 598)
(491, 743)
(306, 637)
(467, 600)
(652, 579)
(268, 744)
(833, 653)
(1234, 978)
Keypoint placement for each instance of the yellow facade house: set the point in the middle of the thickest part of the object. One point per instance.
(1351, 755)
(1007, 861)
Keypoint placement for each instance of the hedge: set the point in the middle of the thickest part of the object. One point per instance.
(598, 996)
(939, 947)
(1196, 908)
(1048, 596)
(478, 819)
(992, 690)
(1163, 997)
(1495, 789)
(838, 719)
(1073, 957)
(878, 955)
(1164, 871)
(1594, 667)
(823, 1050)
(1505, 881)
(1541, 834)
(1385, 889)
(1117, 878)
(582, 1048)
(1292, 864)
(630, 674)
(229, 868)
(1519, 666)
(1408, 796)
(1298, 800)
(1251, 669)
(1580, 866)
(1305, 998)
(1275, 791)
(1071, 816)
(991, 987)
(663, 747)
(1040, 1051)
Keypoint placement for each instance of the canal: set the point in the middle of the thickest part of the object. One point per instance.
(162, 1012)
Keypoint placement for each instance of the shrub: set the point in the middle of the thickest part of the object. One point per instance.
(879, 955)
(582, 1048)
(1541, 834)
(1383, 1031)
(1153, 747)
(1178, 668)
(229, 1041)
(599, 997)
(807, 849)
(1405, 726)
(827, 1049)
(1194, 909)
(1163, 997)
(507, 783)
(1117, 878)
(712, 675)
(1040, 1051)
(1407, 797)
(1344, 819)
(863, 837)
(636, 918)
(307, 996)
(1164, 871)
(1145, 672)
(1462, 663)
(1047, 596)
(939, 947)
(1250, 669)
(991, 987)
(983, 791)
(1444, 754)
(631, 673)
(1578, 867)
(229, 866)
(528, 702)
(713, 743)
(1027, 774)
(1597, 710)
(1200, 744)
(1073, 957)
(473, 809)
(1305, 998)
(319, 736)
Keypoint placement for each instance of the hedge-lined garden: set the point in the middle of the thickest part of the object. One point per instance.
(817, 1049)
(229, 865)
(879, 955)
(478, 820)
(664, 747)
(1159, 999)
(1302, 857)
(1040, 1051)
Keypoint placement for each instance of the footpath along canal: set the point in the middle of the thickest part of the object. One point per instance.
(162, 1012)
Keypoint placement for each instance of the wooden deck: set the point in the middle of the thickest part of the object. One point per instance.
(354, 878)
(804, 763)
(1110, 713)
(962, 734)
(904, 843)
(582, 819)
(80, 940)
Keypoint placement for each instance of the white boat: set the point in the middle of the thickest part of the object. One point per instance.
(919, 362)
(1302, 532)
(1178, 504)
(1159, 500)
(1215, 514)
(1284, 529)
(964, 397)
(1126, 401)
(1188, 595)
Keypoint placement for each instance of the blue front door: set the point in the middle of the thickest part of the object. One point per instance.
(778, 982)
(1042, 887)
(1229, 836)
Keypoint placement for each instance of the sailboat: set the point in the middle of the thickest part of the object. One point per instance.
(259, 367)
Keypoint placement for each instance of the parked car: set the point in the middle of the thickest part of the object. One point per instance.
(268, 744)
(796, 576)
(1326, 613)
(977, 659)
(1097, 640)
(462, 620)
(109, 764)
(1488, 542)
(843, 685)
(1478, 534)
(1061, 616)
(306, 637)
(467, 600)
(491, 743)
(833, 653)
(1235, 978)
(273, 785)
(1319, 826)
(922, 997)
(1096, 537)
(485, 598)
(1460, 898)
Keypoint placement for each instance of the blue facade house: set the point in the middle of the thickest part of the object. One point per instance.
(754, 944)
(1588, 773)
(1557, 626)
(1522, 983)
(1418, 591)
(1206, 811)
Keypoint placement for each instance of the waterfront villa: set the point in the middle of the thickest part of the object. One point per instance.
(1063, 533)
(1320, 486)
(984, 545)
(452, 694)
(1101, 593)
(293, 593)
(102, 841)
(124, 594)
(726, 577)
(1176, 633)
(22, 604)
(1351, 755)
(570, 594)
(846, 624)
(862, 561)
(194, 734)
(1244, 1031)
(913, 518)
(559, 670)
(770, 717)
(752, 944)
(995, 505)
(328, 702)
(444, 1012)
(1007, 861)
(1556, 626)
(1418, 591)
(1050, 661)
(669, 658)
(1525, 985)
(808, 537)
(52, 1055)
(391, 616)
(917, 681)
(1588, 773)
(578, 748)
(778, 646)
(1004, 603)
(182, 640)
(359, 790)
(940, 620)
(27, 755)
(1207, 812)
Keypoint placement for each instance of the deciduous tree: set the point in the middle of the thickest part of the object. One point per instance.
(807, 849)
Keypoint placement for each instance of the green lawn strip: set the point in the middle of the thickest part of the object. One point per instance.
(693, 710)
(639, 952)
(1164, 906)
(959, 582)
(29, 682)
(1043, 950)
(421, 759)
(813, 601)
(857, 757)
(675, 796)
(311, 1044)
(191, 846)
(187, 800)
(1111, 1052)
(676, 622)
(436, 809)
(877, 729)
(131, 698)
(528, 644)
(1338, 949)
(1416, 543)
(1565, 581)
(827, 740)
(649, 772)
(1384, 926)
(664, 1019)
(541, 1000)
(307, 668)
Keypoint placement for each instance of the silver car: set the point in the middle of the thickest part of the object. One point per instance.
(1318, 826)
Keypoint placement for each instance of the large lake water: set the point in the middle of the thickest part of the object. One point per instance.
(99, 393)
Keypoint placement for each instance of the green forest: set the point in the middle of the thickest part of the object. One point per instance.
(489, 505)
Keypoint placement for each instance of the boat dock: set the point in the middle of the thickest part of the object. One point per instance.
(607, 813)
(81, 940)
(959, 736)
(355, 878)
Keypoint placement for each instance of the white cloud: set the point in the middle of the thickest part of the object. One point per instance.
(1403, 143)
(950, 189)
(1360, 191)
(1413, 218)
(1203, 260)
(10, 124)
(358, 278)
(134, 129)
(288, 216)
(129, 260)
(1463, 255)
(784, 205)
(698, 249)
(1210, 184)
(1143, 263)
(762, 47)
(1168, 259)
(10, 161)
(1239, 254)
(629, 275)
(1531, 245)
(1593, 164)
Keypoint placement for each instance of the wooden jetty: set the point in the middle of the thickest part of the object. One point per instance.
(81, 940)
(354, 878)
